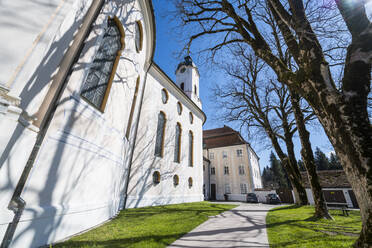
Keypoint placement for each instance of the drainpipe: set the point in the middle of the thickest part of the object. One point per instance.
(46, 113)
(135, 137)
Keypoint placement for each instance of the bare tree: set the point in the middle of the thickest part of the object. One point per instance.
(307, 155)
(342, 113)
(288, 116)
(266, 109)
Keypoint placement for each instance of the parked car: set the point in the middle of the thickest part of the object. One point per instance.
(272, 199)
(251, 197)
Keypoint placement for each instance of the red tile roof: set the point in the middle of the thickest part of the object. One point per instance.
(221, 137)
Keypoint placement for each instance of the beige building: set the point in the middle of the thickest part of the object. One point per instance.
(230, 166)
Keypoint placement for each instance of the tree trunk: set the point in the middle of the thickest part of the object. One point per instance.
(298, 189)
(293, 164)
(321, 210)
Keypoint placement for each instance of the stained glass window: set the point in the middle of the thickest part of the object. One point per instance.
(160, 135)
(177, 145)
(96, 85)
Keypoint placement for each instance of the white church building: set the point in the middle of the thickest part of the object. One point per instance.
(89, 123)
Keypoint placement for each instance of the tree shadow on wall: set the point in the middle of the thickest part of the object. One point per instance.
(48, 212)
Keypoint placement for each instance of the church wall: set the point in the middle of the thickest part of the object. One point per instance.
(142, 191)
(79, 174)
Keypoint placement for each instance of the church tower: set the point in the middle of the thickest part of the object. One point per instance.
(187, 79)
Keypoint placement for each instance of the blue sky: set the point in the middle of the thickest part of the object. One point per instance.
(169, 44)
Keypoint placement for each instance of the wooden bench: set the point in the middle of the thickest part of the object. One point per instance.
(339, 206)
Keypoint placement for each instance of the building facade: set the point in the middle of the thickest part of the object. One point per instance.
(233, 165)
(335, 187)
(89, 121)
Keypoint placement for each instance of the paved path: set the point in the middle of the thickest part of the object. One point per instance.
(243, 226)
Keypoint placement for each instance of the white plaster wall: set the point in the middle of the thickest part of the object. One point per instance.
(310, 196)
(255, 167)
(79, 173)
(23, 34)
(142, 191)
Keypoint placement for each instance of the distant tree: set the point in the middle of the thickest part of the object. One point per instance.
(321, 160)
(301, 165)
(279, 174)
(334, 162)
(267, 177)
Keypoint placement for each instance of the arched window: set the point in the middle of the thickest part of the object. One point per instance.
(191, 149)
(195, 89)
(156, 177)
(138, 36)
(97, 85)
(190, 182)
(159, 143)
(182, 86)
(177, 145)
(164, 96)
(191, 118)
(179, 108)
(176, 180)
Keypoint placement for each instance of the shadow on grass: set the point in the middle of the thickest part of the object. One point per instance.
(308, 242)
(124, 242)
(285, 208)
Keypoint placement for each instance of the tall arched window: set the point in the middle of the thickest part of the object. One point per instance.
(191, 149)
(159, 143)
(177, 145)
(182, 86)
(97, 86)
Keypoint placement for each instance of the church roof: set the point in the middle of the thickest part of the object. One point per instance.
(221, 137)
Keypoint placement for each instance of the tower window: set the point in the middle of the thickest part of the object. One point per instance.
(97, 85)
(182, 86)
(159, 144)
(183, 69)
(195, 89)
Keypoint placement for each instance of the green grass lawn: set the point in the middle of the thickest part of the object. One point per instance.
(294, 226)
(148, 227)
